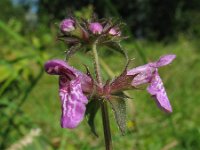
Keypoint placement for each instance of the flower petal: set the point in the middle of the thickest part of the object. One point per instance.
(144, 74)
(164, 60)
(60, 67)
(157, 90)
(73, 102)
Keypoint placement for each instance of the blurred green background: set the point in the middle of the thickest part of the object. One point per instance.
(29, 102)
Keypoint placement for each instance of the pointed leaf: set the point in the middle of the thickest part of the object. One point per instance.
(68, 39)
(117, 47)
(121, 95)
(119, 108)
(72, 50)
(122, 82)
(91, 111)
(107, 27)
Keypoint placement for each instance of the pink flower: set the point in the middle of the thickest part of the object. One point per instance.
(67, 25)
(73, 88)
(114, 32)
(149, 74)
(95, 28)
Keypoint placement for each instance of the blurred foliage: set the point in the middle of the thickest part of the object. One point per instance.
(21, 68)
(29, 98)
(154, 19)
(7, 11)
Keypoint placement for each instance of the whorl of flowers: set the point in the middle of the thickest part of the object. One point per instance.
(80, 92)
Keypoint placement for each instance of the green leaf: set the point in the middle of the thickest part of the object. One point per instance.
(68, 39)
(72, 50)
(91, 111)
(117, 47)
(118, 105)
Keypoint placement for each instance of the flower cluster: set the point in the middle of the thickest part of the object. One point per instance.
(69, 25)
(80, 34)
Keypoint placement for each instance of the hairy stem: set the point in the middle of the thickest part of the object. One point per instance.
(96, 63)
(104, 109)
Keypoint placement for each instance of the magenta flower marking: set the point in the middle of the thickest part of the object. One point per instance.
(96, 28)
(73, 86)
(149, 74)
(67, 25)
(73, 103)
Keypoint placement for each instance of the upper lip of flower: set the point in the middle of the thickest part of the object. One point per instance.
(59, 67)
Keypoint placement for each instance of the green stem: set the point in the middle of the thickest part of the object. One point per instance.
(104, 108)
(106, 126)
(96, 63)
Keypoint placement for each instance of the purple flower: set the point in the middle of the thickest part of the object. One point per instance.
(67, 25)
(114, 32)
(73, 88)
(95, 28)
(149, 74)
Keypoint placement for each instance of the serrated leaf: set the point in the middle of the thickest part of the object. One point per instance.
(117, 47)
(119, 108)
(91, 111)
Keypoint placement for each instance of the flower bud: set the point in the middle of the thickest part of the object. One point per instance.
(96, 28)
(114, 32)
(67, 25)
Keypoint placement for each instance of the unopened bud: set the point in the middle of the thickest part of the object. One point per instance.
(67, 25)
(114, 32)
(96, 28)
